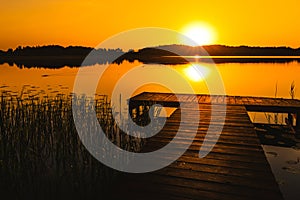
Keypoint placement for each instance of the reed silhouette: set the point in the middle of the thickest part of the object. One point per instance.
(41, 155)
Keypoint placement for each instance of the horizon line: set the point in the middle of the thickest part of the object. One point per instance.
(71, 45)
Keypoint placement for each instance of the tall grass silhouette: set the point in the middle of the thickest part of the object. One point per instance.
(41, 155)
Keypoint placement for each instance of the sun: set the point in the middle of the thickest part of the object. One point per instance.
(197, 34)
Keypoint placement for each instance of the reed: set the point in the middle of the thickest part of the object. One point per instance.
(41, 155)
(273, 118)
(292, 90)
(290, 119)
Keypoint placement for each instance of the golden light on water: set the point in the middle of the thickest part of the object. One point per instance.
(198, 34)
(196, 72)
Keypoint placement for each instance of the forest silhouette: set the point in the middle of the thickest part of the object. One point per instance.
(55, 56)
(176, 54)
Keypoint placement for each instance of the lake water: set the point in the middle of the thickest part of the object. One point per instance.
(285, 164)
(242, 79)
(268, 79)
(250, 79)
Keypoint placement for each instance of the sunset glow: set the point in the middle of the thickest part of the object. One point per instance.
(199, 33)
(88, 23)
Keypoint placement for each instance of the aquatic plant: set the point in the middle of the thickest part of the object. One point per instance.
(273, 118)
(292, 90)
(41, 155)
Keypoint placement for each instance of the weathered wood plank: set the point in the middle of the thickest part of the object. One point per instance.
(210, 186)
(235, 168)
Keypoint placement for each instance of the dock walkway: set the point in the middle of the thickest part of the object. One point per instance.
(236, 168)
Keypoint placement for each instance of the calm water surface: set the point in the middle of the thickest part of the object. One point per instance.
(253, 79)
(285, 164)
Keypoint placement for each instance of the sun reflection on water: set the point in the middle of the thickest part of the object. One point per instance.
(196, 72)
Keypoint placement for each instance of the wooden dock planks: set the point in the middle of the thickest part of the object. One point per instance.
(236, 168)
(218, 99)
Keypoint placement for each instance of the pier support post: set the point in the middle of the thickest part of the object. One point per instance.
(290, 119)
(297, 129)
(133, 111)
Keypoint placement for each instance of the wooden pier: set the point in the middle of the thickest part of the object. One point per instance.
(236, 167)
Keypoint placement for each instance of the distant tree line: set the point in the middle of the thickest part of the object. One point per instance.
(222, 50)
(56, 50)
(174, 54)
(55, 56)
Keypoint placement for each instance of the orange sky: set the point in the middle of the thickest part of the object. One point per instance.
(88, 22)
